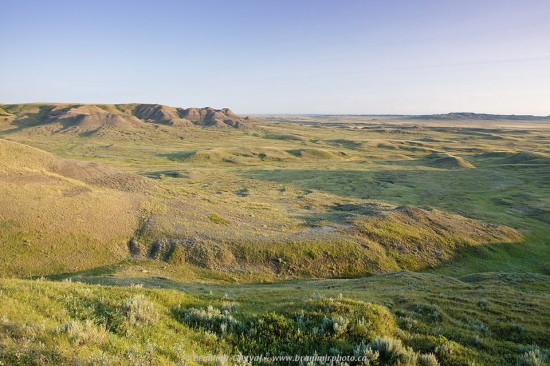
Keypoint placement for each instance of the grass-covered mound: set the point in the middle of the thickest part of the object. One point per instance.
(58, 215)
(420, 236)
(517, 157)
(527, 157)
(448, 161)
(361, 239)
(66, 324)
(237, 155)
(315, 154)
(46, 323)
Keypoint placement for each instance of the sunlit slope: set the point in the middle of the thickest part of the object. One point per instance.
(61, 215)
(58, 215)
(490, 319)
(88, 119)
(273, 202)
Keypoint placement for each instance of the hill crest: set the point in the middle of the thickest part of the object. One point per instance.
(82, 118)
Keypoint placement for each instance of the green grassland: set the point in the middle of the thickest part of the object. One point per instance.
(267, 224)
(489, 319)
(292, 183)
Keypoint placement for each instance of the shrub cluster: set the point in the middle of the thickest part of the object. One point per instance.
(391, 352)
(139, 311)
(86, 332)
(533, 357)
(211, 319)
(324, 326)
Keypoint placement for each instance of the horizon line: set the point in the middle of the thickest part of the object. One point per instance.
(305, 113)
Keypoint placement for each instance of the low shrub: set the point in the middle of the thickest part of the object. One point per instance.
(217, 219)
(532, 358)
(210, 319)
(483, 303)
(86, 332)
(366, 354)
(321, 326)
(427, 360)
(335, 325)
(139, 311)
(392, 352)
(450, 353)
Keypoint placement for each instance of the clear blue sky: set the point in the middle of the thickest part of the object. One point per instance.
(281, 56)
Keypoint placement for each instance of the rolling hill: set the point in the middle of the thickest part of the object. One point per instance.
(60, 215)
(128, 196)
(90, 118)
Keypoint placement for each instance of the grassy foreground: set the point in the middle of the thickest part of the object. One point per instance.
(402, 318)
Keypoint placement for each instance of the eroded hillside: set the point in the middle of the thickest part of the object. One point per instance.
(102, 118)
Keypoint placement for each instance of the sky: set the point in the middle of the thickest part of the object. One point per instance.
(281, 56)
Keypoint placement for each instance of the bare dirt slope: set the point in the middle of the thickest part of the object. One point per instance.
(92, 118)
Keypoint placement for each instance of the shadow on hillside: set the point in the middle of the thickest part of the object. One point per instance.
(30, 120)
(341, 214)
(160, 174)
(491, 195)
(412, 186)
(180, 155)
(96, 271)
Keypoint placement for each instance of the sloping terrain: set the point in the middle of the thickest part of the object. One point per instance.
(448, 161)
(221, 214)
(58, 215)
(378, 238)
(280, 201)
(87, 214)
(491, 319)
(92, 118)
(415, 235)
(527, 157)
(68, 118)
(162, 114)
(206, 117)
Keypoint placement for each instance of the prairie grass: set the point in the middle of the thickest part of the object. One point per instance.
(231, 213)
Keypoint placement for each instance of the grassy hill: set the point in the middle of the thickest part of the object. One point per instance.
(493, 319)
(59, 215)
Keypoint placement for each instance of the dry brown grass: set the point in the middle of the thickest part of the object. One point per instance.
(52, 223)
